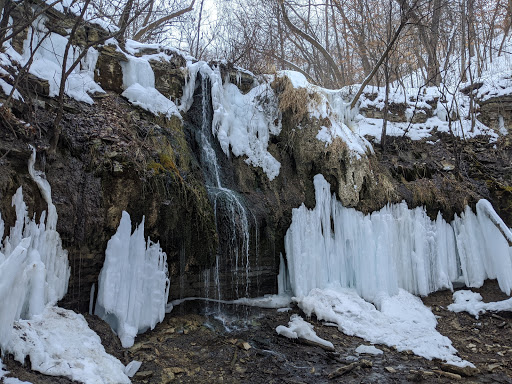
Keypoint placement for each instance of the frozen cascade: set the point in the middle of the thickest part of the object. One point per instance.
(394, 248)
(34, 269)
(337, 257)
(133, 286)
(231, 217)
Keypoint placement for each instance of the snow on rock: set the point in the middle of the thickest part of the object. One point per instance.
(333, 106)
(59, 342)
(402, 321)
(151, 100)
(393, 248)
(139, 83)
(34, 269)
(369, 350)
(298, 328)
(133, 283)
(471, 302)
(48, 63)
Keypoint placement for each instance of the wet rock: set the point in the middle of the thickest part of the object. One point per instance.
(449, 375)
(390, 369)
(143, 375)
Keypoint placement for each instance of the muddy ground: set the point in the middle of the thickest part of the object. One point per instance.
(228, 344)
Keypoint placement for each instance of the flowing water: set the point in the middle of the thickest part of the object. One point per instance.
(232, 266)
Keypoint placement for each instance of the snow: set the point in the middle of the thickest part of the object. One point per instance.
(244, 123)
(139, 83)
(298, 328)
(48, 63)
(331, 105)
(131, 369)
(151, 100)
(133, 284)
(402, 321)
(471, 302)
(33, 266)
(369, 350)
(60, 343)
(393, 248)
(359, 270)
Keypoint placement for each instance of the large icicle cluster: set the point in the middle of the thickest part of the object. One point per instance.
(133, 283)
(360, 271)
(394, 248)
(34, 268)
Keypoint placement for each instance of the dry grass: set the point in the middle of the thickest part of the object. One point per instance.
(295, 101)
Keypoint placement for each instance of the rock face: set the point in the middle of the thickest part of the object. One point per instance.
(113, 156)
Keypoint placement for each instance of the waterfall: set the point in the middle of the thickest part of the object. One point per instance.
(232, 266)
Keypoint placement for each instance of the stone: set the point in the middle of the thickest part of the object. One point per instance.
(390, 369)
(463, 371)
(144, 374)
(449, 375)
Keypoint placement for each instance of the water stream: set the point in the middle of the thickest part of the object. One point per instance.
(232, 266)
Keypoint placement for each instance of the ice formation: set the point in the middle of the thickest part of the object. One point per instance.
(243, 123)
(48, 62)
(471, 302)
(139, 84)
(394, 248)
(298, 328)
(359, 271)
(133, 284)
(34, 268)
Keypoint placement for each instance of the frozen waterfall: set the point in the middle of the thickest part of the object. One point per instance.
(133, 284)
(34, 268)
(396, 247)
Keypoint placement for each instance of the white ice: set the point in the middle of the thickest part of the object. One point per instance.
(34, 269)
(59, 342)
(133, 284)
(471, 302)
(402, 321)
(298, 328)
(393, 248)
(338, 258)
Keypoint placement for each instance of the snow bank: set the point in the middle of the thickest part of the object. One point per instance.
(298, 328)
(34, 270)
(402, 321)
(60, 343)
(133, 284)
(393, 248)
(471, 302)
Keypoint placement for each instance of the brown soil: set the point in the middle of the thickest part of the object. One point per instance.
(198, 345)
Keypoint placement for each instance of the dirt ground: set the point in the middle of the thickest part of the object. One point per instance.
(229, 344)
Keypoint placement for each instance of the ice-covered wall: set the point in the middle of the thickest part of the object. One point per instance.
(396, 247)
(34, 270)
(133, 283)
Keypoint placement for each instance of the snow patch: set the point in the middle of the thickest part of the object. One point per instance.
(471, 302)
(369, 350)
(133, 284)
(59, 342)
(298, 328)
